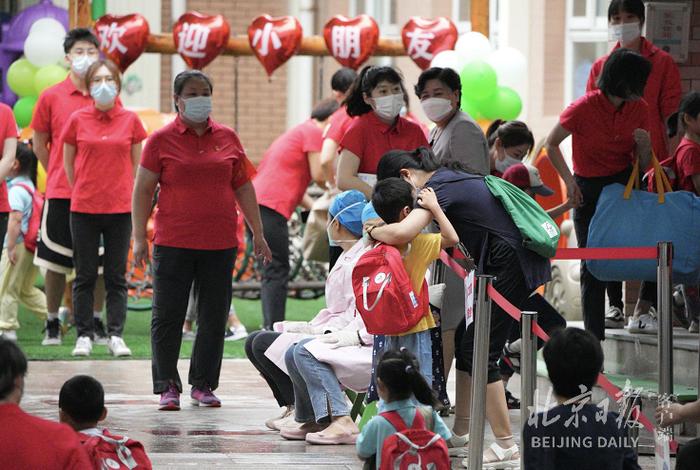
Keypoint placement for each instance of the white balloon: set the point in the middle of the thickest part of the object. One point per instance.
(510, 65)
(448, 59)
(49, 26)
(43, 49)
(473, 46)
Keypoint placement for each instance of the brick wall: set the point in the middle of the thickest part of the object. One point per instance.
(690, 71)
(260, 103)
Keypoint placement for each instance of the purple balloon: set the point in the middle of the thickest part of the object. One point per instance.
(15, 33)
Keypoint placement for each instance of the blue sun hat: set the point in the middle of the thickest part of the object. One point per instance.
(347, 209)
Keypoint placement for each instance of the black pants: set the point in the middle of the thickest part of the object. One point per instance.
(547, 317)
(592, 289)
(503, 263)
(174, 271)
(334, 253)
(688, 456)
(281, 385)
(614, 290)
(115, 231)
(275, 276)
(4, 217)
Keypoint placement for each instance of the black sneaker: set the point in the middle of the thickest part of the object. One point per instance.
(52, 336)
(513, 403)
(100, 332)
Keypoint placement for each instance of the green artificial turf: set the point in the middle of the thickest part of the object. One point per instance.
(137, 332)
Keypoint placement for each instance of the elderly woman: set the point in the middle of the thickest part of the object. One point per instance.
(204, 175)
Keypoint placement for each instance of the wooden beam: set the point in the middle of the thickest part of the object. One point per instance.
(79, 13)
(239, 46)
(480, 16)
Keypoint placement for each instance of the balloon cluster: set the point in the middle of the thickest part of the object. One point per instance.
(38, 69)
(490, 79)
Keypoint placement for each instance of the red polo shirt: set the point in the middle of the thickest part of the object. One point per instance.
(687, 159)
(29, 442)
(602, 136)
(8, 130)
(198, 176)
(338, 124)
(55, 106)
(369, 138)
(284, 174)
(103, 165)
(662, 92)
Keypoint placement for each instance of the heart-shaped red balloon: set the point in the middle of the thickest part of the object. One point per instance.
(200, 38)
(122, 38)
(274, 40)
(351, 40)
(424, 38)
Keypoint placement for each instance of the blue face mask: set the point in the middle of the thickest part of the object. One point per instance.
(104, 93)
(197, 109)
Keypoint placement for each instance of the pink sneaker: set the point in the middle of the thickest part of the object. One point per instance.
(204, 397)
(170, 400)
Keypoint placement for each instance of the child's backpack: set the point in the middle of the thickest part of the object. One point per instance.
(540, 233)
(108, 451)
(668, 167)
(383, 292)
(32, 234)
(415, 448)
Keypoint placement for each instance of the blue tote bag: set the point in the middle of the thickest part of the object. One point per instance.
(633, 218)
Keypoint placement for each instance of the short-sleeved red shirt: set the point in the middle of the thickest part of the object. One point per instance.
(662, 92)
(8, 130)
(55, 106)
(198, 176)
(284, 174)
(338, 124)
(103, 170)
(414, 119)
(369, 138)
(602, 136)
(687, 159)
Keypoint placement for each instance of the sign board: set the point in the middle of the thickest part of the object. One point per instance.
(668, 27)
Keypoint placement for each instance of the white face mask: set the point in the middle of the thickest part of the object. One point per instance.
(388, 107)
(197, 108)
(80, 64)
(624, 33)
(507, 162)
(436, 109)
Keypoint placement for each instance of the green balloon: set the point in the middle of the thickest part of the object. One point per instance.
(47, 76)
(20, 77)
(23, 109)
(504, 104)
(471, 108)
(478, 80)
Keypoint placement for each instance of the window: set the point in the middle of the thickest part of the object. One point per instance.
(461, 15)
(587, 39)
(383, 12)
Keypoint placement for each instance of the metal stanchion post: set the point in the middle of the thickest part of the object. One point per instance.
(528, 370)
(482, 323)
(665, 331)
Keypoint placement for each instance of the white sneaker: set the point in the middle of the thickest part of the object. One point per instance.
(645, 324)
(118, 347)
(9, 334)
(83, 347)
(614, 318)
(234, 334)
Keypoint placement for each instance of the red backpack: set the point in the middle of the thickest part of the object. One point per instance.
(32, 234)
(413, 448)
(108, 451)
(383, 292)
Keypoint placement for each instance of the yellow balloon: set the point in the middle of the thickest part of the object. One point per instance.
(41, 178)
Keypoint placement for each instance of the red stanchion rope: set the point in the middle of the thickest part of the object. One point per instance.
(573, 253)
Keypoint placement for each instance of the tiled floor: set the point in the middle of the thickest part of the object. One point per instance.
(232, 437)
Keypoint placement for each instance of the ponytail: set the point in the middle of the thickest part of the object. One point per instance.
(511, 134)
(399, 371)
(367, 81)
(394, 161)
(690, 106)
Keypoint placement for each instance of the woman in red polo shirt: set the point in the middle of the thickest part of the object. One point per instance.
(376, 99)
(8, 134)
(204, 175)
(609, 129)
(662, 93)
(101, 148)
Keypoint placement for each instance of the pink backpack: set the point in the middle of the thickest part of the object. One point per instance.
(30, 238)
(384, 296)
(413, 448)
